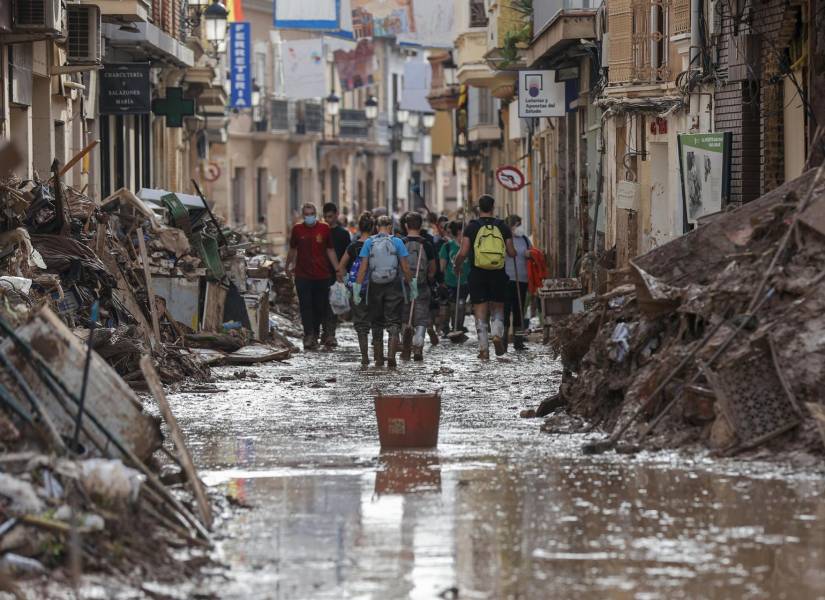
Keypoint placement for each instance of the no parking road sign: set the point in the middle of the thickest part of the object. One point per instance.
(511, 178)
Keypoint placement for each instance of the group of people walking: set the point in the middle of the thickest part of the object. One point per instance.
(410, 282)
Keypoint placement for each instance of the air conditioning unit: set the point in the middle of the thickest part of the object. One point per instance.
(84, 44)
(715, 23)
(39, 16)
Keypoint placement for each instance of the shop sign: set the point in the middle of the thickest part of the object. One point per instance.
(125, 89)
(704, 161)
(240, 65)
(539, 95)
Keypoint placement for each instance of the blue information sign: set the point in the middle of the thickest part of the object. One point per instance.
(240, 65)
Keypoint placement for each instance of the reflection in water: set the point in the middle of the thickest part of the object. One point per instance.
(498, 511)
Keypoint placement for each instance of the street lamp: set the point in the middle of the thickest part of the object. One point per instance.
(215, 16)
(197, 3)
(413, 120)
(333, 105)
(401, 115)
(428, 120)
(371, 108)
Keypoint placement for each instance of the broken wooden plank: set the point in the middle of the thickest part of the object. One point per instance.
(213, 306)
(256, 354)
(184, 456)
(108, 397)
(153, 307)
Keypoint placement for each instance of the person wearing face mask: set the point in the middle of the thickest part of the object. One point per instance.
(517, 275)
(310, 260)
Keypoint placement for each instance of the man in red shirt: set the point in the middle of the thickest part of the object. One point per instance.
(311, 258)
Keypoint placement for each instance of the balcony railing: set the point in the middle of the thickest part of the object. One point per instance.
(546, 11)
(353, 123)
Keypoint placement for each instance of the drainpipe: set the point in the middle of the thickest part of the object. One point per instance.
(695, 57)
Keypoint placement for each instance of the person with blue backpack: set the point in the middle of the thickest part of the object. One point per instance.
(348, 273)
(386, 273)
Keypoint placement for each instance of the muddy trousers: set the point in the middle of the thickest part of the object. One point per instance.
(513, 313)
(421, 320)
(385, 302)
(313, 304)
(361, 322)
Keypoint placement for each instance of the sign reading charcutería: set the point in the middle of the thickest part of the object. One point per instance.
(124, 89)
(539, 95)
(240, 65)
(511, 178)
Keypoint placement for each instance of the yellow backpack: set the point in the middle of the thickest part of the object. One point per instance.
(489, 249)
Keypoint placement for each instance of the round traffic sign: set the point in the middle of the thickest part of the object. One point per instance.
(511, 178)
(212, 171)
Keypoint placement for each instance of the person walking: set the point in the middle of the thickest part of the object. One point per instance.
(348, 272)
(516, 269)
(487, 242)
(310, 260)
(341, 240)
(455, 288)
(382, 261)
(421, 261)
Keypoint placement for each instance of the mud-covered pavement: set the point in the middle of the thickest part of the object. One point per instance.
(499, 510)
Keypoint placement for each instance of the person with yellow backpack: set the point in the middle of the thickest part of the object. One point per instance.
(486, 243)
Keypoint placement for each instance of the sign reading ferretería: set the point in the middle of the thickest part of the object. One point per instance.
(240, 65)
(539, 95)
(124, 89)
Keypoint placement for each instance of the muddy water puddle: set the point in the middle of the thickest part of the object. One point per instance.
(499, 510)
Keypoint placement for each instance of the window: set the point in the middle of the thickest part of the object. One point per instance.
(262, 195)
(295, 190)
(238, 199)
(478, 13)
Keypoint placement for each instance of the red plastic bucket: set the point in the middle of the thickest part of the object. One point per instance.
(408, 420)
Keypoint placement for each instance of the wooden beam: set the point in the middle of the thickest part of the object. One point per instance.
(144, 258)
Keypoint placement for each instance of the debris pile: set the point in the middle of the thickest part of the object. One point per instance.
(98, 301)
(718, 340)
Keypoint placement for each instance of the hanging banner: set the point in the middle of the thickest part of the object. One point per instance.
(240, 65)
(124, 89)
(382, 18)
(704, 162)
(356, 67)
(304, 66)
(434, 24)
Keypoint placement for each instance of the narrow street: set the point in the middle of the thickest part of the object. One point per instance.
(500, 510)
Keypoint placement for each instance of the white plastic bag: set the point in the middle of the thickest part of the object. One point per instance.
(339, 298)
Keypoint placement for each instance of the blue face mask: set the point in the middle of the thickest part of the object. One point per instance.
(310, 220)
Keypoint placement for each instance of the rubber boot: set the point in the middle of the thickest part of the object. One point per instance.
(483, 340)
(393, 349)
(364, 345)
(518, 343)
(497, 329)
(378, 347)
(406, 343)
(444, 319)
(433, 335)
(462, 315)
(418, 343)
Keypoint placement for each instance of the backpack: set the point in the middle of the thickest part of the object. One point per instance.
(489, 249)
(383, 260)
(415, 248)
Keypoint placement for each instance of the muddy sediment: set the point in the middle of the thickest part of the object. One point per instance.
(498, 510)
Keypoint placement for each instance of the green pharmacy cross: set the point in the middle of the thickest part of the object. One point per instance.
(174, 107)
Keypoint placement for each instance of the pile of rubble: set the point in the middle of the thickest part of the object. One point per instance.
(718, 338)
(98, 301)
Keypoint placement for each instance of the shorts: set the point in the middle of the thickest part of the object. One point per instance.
(488, 286)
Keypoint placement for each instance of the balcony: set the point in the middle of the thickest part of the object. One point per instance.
(482, 116)
(292, 117)
(118, 11)
(353, 123)
(443, 92)
(560, 24)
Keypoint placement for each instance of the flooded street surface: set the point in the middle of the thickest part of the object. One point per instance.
(499, 510)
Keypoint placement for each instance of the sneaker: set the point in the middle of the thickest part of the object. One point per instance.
(484, 355)
(498, 344)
